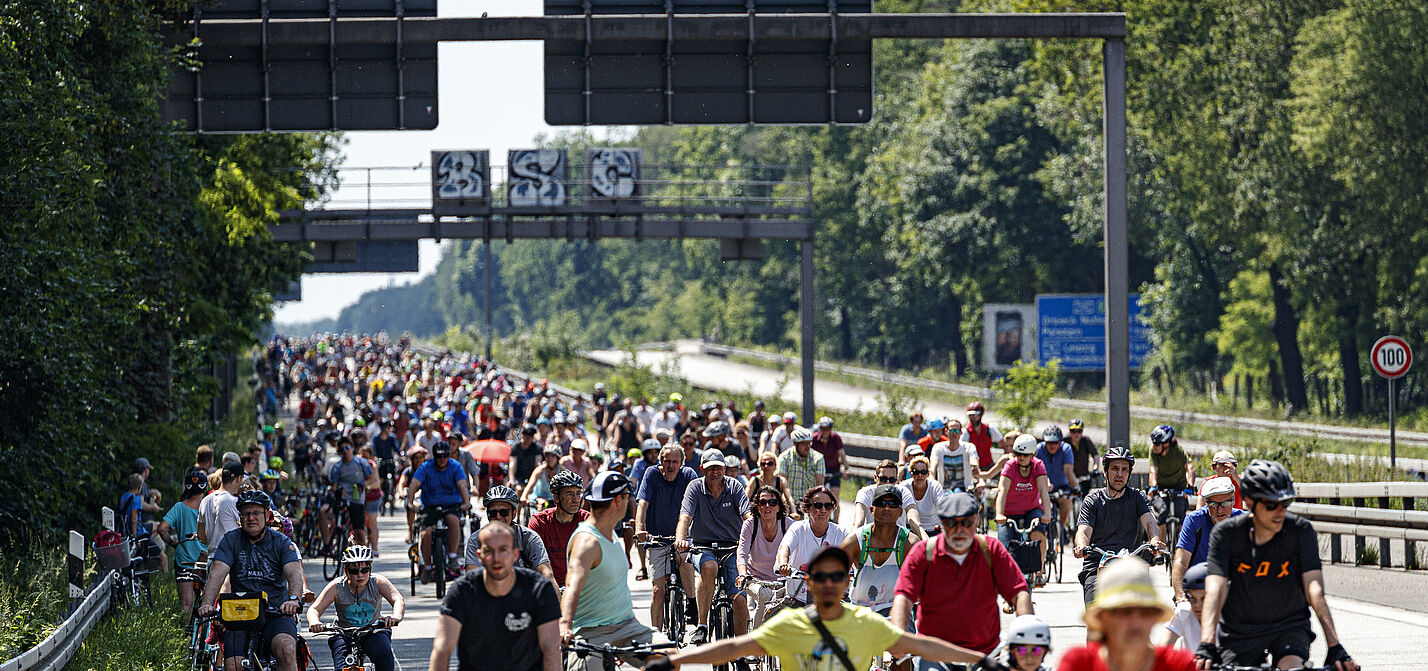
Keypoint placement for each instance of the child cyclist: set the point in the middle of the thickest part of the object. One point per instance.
(358, 594)
(1028, 641)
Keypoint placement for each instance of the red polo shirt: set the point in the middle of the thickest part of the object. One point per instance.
(958, 602)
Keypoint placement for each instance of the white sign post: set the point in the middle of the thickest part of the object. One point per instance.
(1391, 357)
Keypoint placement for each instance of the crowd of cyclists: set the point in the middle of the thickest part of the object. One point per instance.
(536, 507)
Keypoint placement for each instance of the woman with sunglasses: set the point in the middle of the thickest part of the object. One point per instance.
(806, 537)
(358, 594)
(759, 540)
(925, 491)
(767, 475)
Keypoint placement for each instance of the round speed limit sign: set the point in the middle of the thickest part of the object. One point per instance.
(1392, 357)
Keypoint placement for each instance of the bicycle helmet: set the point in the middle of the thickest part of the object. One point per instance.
(1029, 630)
(1025, 444)
(356, 553)
(720, 428)
(565, 479)
(1162, 434)
(270, 474)
(1118, 452)
(825, 422)
(1075, 425)
(359, 422)
(529, 430)
(634, 453)
(441, 449)
(552, 450)
(500, 493)
(1266, 480)
(254, 496)
(1052, 434)
(646, 446)
(801, 435)
(936, 423)
(975, 408)
(276, 463)
(1195, 577)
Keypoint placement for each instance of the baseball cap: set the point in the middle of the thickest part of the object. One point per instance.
(232, 470)
(957, 504)
(606, 486)
(141, 464)
(882, 491)
(915, 451)
(1216, 486)
(834, 552)
(579, 444)
(1224, 457)
(711, 457)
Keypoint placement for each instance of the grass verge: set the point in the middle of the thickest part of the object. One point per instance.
(138, 639)
(33, 598)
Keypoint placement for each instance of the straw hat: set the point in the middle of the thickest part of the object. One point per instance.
(1125, 583)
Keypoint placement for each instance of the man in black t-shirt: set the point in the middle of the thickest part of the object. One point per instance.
(1264, 576)
(525, 454)
(1112, 518)
(499, 616)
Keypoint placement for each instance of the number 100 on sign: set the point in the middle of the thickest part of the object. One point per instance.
(1391, 357)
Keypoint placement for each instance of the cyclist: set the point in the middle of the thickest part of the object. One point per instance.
(880, 547)
(816, 530)
(886, 474)
(661, 494)
(218, 514)
(180, 522)
(1055, 455)
(1028, 640)
(910, 432)
(577, 461)
(712, 512)
(1183, 629)
(445, 485)
(501, 502)
(500, 616)
(556, 524)
(803, 638)
(828, 443)
(1225, 464)
(537, 489)
(759, 539)
(981, 434)
(955, 466)
(348, 478)
(1024, 495)
(1112, 517)
(1119, 623)
(596, 604)
(358, 595)
(526, 455)
(384, 447)
(926, 492)
(1264, 577)
(767, 475)
(1084, 451)
(1193, 545)
(416, 456)
(1171, 473)
(254, 558)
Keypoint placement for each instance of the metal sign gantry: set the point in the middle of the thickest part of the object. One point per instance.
(325, 38)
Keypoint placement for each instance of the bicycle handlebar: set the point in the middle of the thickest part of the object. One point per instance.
(582, 647)
(1104, 556)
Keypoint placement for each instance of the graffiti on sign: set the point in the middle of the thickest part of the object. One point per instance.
(461, 174)
(538, 177)
(614, 173)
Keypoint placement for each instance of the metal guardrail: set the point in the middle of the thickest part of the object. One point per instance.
(59, 647)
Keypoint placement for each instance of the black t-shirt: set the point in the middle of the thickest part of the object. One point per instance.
(1115, 523)
(385, 448)
(526, 458)
(500, 632)
(1266, 590)
(1082, 454)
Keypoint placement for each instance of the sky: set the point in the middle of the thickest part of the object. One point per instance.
(491, 97)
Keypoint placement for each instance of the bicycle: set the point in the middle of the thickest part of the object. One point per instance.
(388, 470)
(673, 607)
(338, 542)
(132, 560)
(441, 571)
(257, 656)
(610, 653)
(1164, 506)
(202, 655)
(721, 609)
(780, 599)
(1105, 557)
(356, 658)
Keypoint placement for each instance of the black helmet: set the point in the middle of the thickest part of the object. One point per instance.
(441, 449)
(500, 494)
(254, 496)
(719, 428)
(1118, 452)
(565, 479)
(1266, 480)
(529, 429)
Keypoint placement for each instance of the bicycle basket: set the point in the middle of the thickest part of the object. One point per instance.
(242, 611)
(113, 557)
(1027, 555)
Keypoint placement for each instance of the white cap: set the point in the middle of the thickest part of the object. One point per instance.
(1224, 457)
(579, 444)
(1216, 486)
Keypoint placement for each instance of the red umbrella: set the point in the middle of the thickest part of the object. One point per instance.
(489, 451)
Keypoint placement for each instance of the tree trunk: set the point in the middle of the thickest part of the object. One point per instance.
(1249, 392)
(1349, 358)
(1276, 389)
(845, 334)
(959, 351)
(1286, 335)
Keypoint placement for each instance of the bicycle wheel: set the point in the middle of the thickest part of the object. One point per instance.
(332, 561)
(1061, 556)
(1172, 534)
(721, 626)
(438, 560)
(674, 613)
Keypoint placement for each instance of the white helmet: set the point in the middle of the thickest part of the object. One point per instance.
(1025, 444)
(1029, 630)
(801, 435)
(357, 553)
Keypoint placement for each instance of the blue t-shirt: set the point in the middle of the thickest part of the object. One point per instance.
(257, 566)
(128, 504)
(907, 435)
(183, 522)
(1055, 463)
(1195, 534)
(637, 472)
(665, 498)
(441, 487)
(461, 422)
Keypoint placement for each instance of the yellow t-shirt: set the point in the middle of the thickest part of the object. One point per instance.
(794, 640)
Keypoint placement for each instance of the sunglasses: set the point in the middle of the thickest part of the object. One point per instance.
(768, 502)
(1224, 504)
(360, 571)
(960, 522)
(821, 506)
(921, 471)
(502, 512)
(828, 576)
(768, 463)
(883, 479)
(1276, 505)
(1029, 649)
(955, 432)
(887, 503)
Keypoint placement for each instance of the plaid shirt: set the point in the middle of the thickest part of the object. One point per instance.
(802, 472)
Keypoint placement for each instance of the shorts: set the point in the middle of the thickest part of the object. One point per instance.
(659, 558)
(236, 642)
(833, 480)
(1006, 534)
(373, 507)
(356, 514)
(1164, 506)
(629, 632)
(431, 514)
(1250, 650)
(730, 567)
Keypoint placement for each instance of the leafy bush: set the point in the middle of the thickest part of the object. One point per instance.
(33, 597)
(1025, 390)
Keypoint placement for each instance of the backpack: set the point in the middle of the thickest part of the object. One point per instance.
(865, 535)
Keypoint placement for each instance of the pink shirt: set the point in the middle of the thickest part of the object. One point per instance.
(1023, 496)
